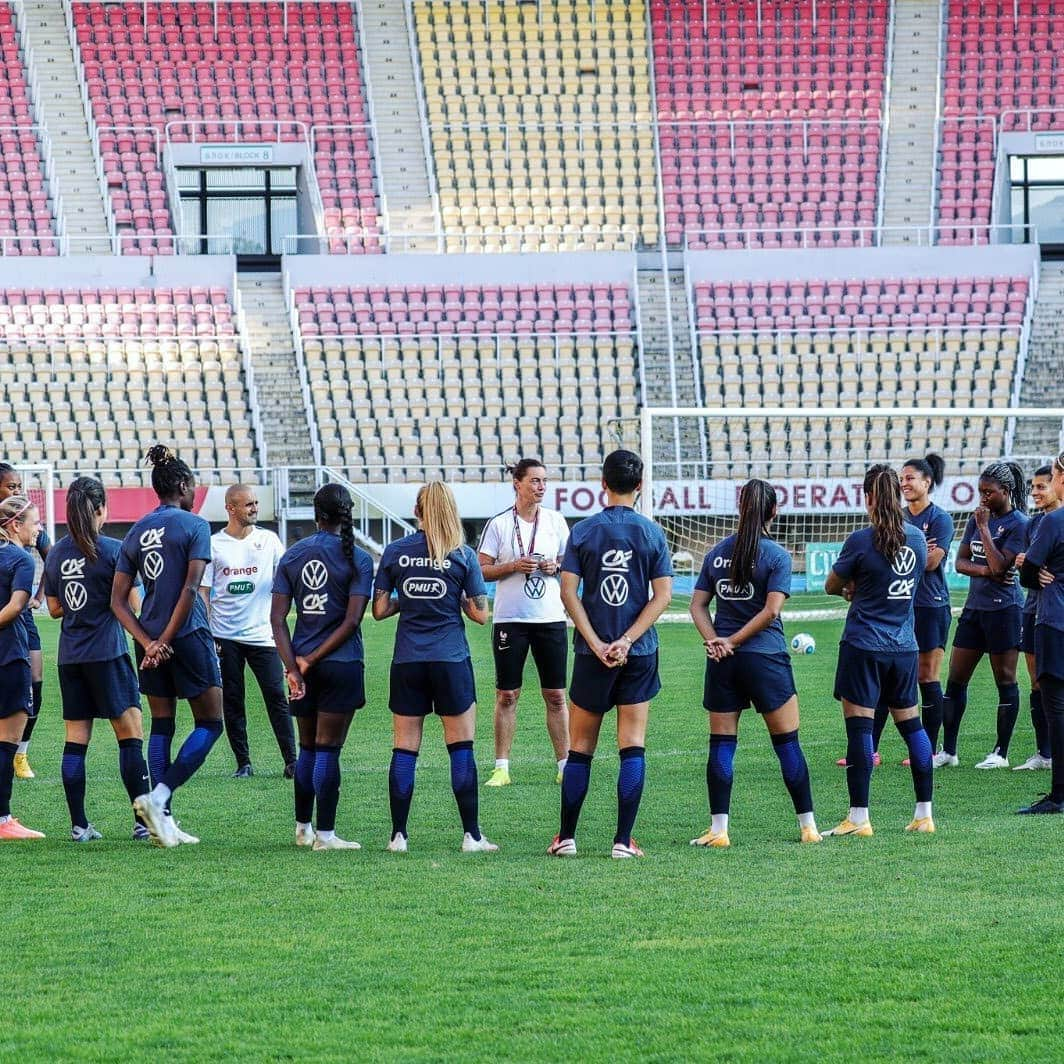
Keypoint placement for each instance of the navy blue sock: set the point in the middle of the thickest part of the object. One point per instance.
(401, 787)
(133, 769)
(879, 722)
(931, 710)
(74, 782)
(327, 785)
(575, 780)
(795, 770)
(159, 742)
(193, 753)
(630, 777)
(7, 775)
(1007, 711)
(954, 703)
(720, 771)
(858, 759)
(303, 782)
(35, 709)
(1041, 726)
(912, 731)
(464, 785)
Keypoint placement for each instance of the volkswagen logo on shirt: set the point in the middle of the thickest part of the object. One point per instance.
(614, 590)
(904, 562)
(74, 593)
(314, 576)
(904, 566)
(535, 587)
(153, 564)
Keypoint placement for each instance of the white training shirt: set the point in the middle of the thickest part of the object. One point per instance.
(240, 576)
(537, 599)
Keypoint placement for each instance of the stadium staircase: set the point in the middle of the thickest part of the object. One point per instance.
(60, 109)
(393, 82)
(908, 185)
(1042, 381)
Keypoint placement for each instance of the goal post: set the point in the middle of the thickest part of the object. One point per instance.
(38, 482)
(697, 459)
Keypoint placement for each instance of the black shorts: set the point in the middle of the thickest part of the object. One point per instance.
(1048, 652)
(332, 687)
(512, 640)
(16, 692)
(764, 681)
(989, 631)
(33, 636)
(597, 688)
(931, 624)
(1027, 628)
(98, 690)
(418, 688)
(191, 670)
(863, 677)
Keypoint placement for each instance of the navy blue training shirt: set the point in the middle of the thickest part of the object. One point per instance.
(158, 549)
(617, 553)
(1047, 551)
(89, 630)
(737, 606)
(317, 574)
(16, 574)
(1008, 533)
(430, 598)
(1030, 605)
(880, 617)
(935, 524)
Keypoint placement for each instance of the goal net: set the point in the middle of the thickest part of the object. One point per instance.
(696, 460)
(38, 482)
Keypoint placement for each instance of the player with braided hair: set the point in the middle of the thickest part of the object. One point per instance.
(168, 549)
(992, 618)
(330, 579)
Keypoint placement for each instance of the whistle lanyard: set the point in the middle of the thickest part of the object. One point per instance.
(517, 534)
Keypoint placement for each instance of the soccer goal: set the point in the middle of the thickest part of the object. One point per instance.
(38, 482)
(696, 460)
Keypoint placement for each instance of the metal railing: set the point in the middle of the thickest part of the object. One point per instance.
(508, 239)
(309, 410)
(1027, 117)
(422, 110)
(249, 372)
(857, 236)
(884, 133)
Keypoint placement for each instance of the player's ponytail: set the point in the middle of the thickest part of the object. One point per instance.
(882, 487)
(931, 467)
(757, 507)
(332, 506)
(1011, 477)
(169, 475)
(85, 499)
(437, 512)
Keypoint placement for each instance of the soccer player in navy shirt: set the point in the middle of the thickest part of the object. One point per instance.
(168, 549)
(330, 580)
(1043, 568)
(747, 661)
(18, 531)
(623, 562)
(878, 570)
(96, 677)
(993, 612)
(430, 578)
(10, 485)
(1045, 498)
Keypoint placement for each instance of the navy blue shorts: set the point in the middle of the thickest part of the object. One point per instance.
(863, 677)
(418, 688)
(332, 687)
(764, 681)
(989, 631)
(597, 688)
(16, 692)
(98, 690)
(1048, 651)
(1027, 627)
(191, 671)
(33, 636)
(932, 627)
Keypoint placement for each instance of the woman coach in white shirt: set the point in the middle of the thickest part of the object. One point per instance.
(237, 585)
(521, 551)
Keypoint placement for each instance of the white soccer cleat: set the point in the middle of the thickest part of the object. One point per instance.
(620, 851)
(1034, 763)
(305, 835)
(944, 760)
(85, 834)
(481, 845)
(184, 837)
(560, 847)
(159, 823)
(993, 760)
(335, 843)
(398, 843)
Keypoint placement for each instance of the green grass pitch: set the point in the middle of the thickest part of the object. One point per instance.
(925, 948)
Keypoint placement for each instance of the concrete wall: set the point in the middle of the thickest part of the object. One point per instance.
(110, 271)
